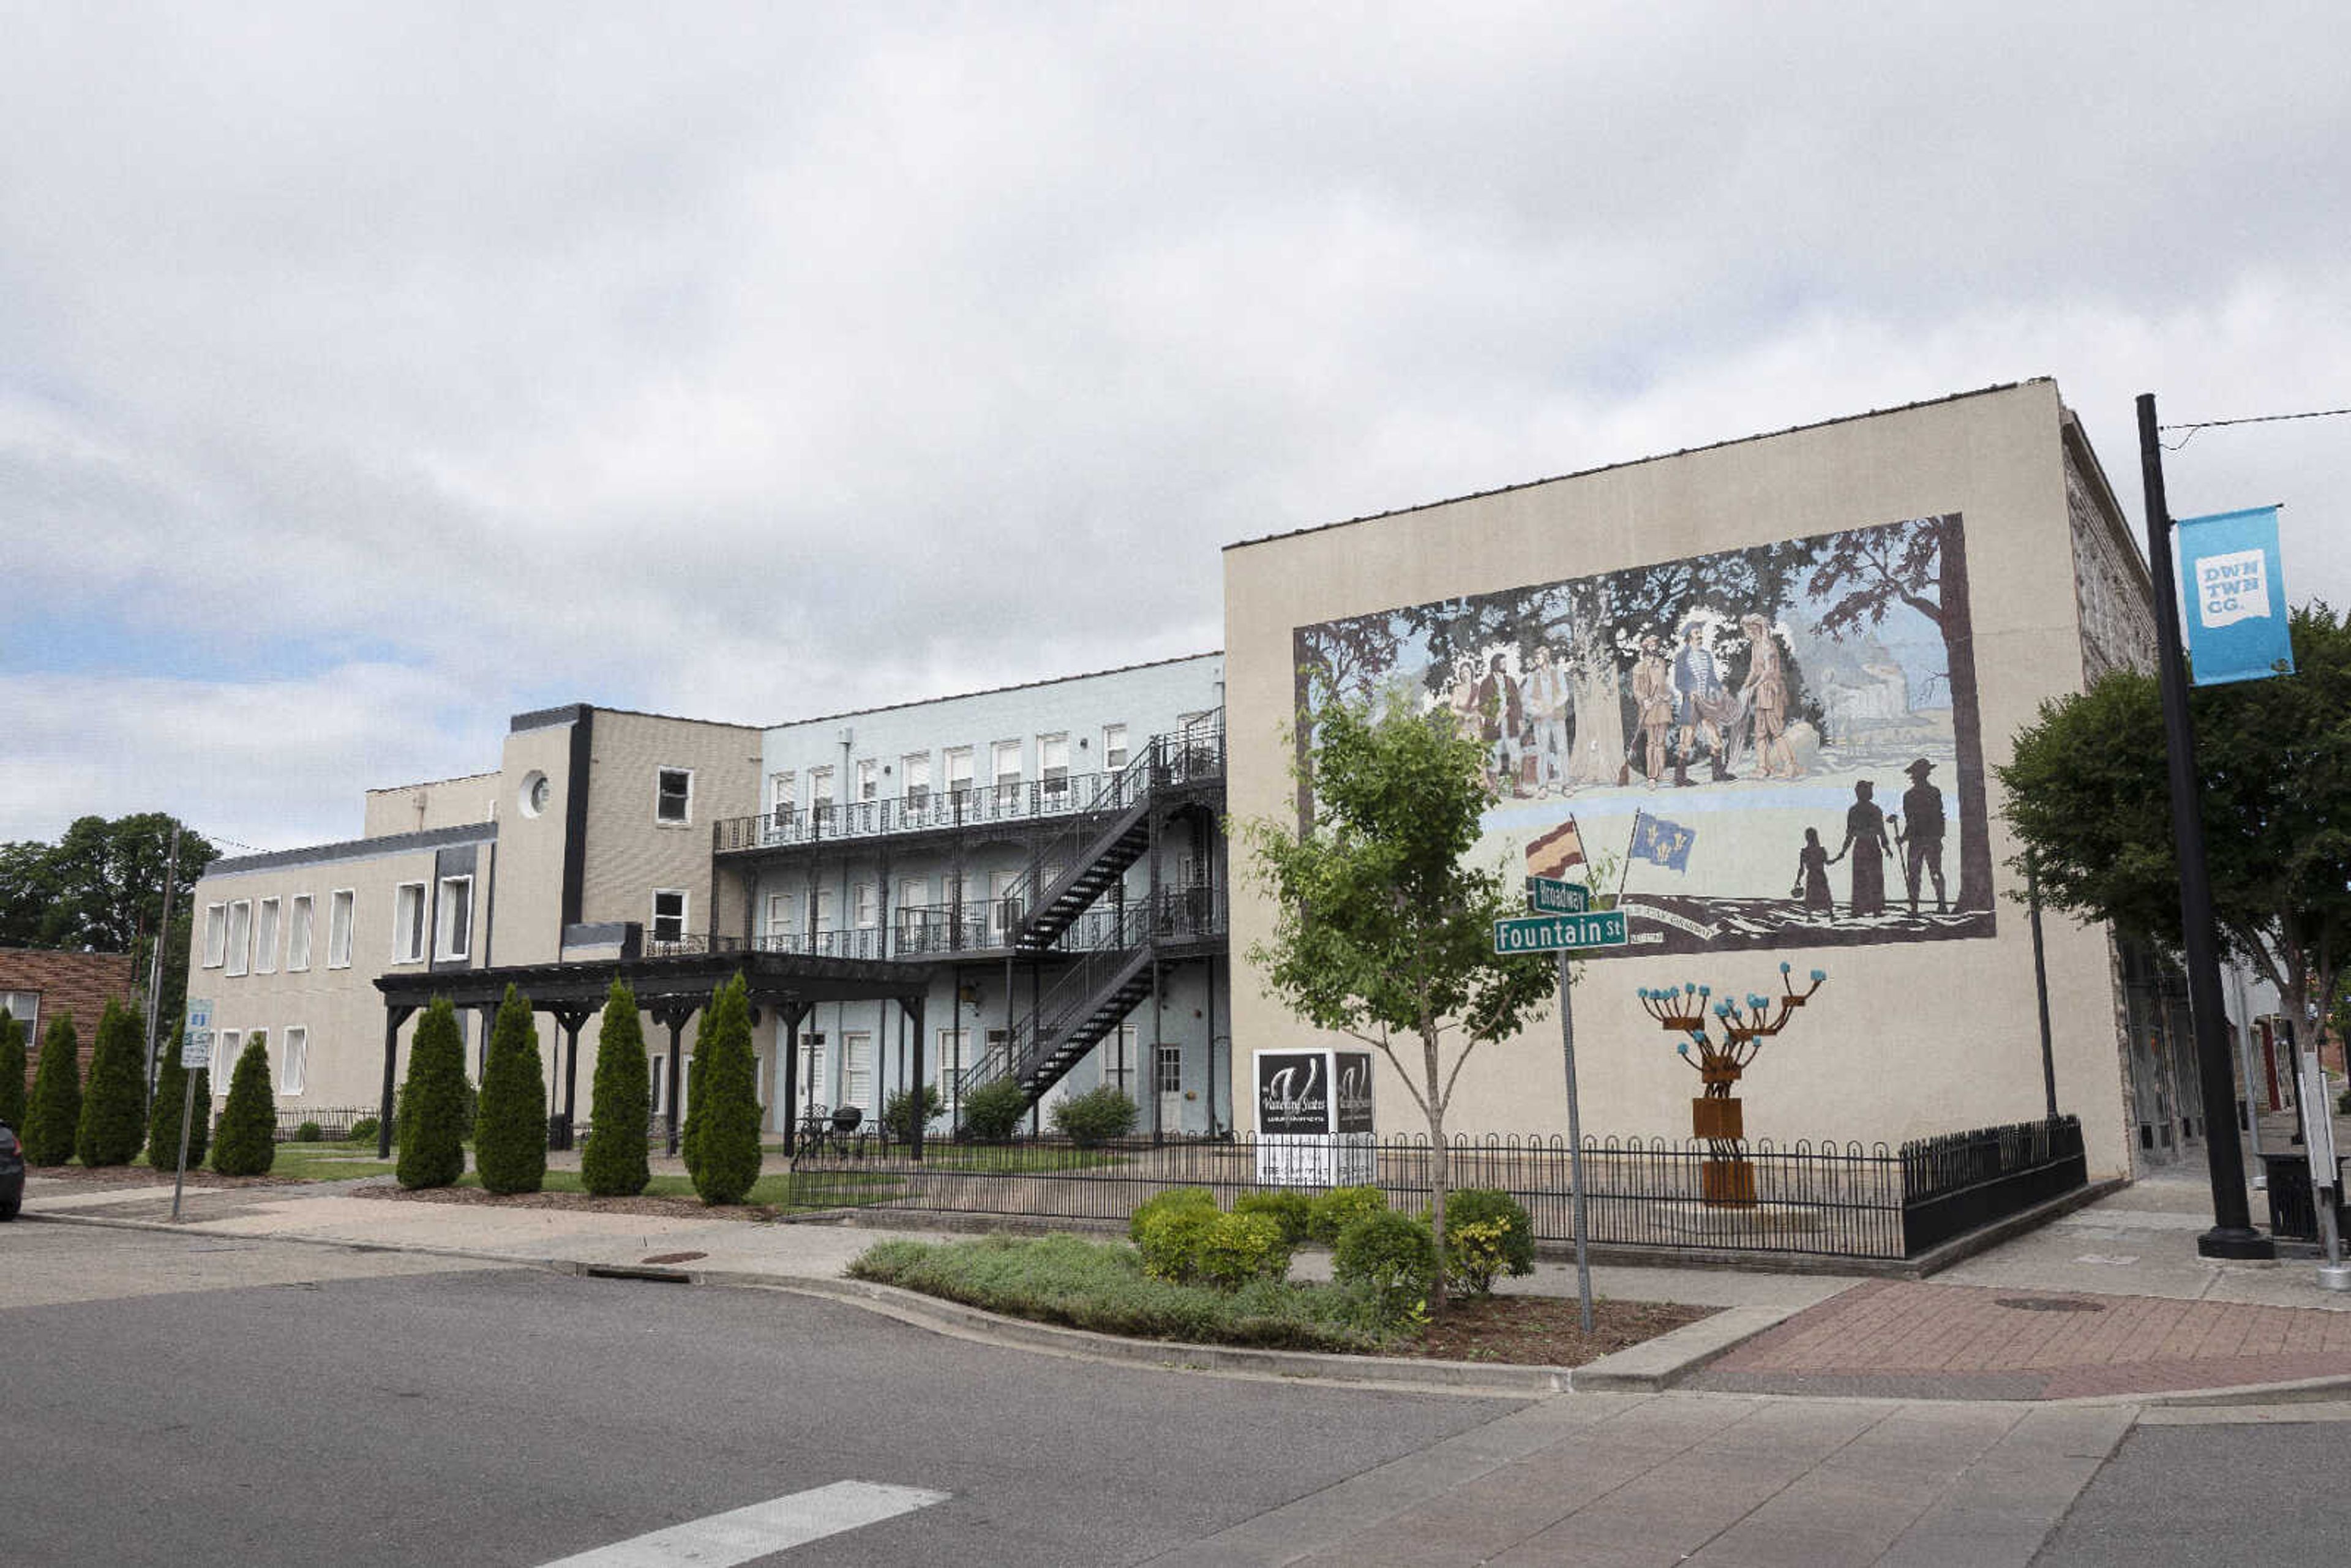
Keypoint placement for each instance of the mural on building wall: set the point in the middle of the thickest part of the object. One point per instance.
(1780, 744)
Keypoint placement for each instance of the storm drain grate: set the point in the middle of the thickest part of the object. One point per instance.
(2048, 1304)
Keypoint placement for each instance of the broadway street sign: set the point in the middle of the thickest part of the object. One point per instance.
(1551, 932)
(1549, 895)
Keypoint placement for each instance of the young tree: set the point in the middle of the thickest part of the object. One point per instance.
(2089, 794)
(1382, 933)
(171, 1097)
(13, 1068)
(432, 1104)
(248, 1124)
(54, 1114)
(723, 1128)
(510, 1114)
(614, 1163)
(113, 1121)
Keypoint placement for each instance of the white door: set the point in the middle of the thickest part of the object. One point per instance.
(1171, 1088)
(857, 1070)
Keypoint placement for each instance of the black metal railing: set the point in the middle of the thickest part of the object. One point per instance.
(334, 1122)
(1963, 1181)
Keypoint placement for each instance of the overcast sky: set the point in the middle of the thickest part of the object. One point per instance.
(369, 373)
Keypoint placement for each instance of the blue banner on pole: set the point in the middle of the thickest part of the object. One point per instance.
(2234, 597)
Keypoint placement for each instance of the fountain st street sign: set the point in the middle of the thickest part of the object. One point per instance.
(1553, 933)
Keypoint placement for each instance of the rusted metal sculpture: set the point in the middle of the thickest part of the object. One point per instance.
(1726, 1180)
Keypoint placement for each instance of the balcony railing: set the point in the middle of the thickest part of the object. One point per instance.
(975, 927)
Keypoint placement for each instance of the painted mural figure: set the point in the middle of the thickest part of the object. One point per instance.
(1922, 813)
(1700, 700)
(1548, 699)
(1461, 698)
(1813, 864)
(1766, 692)
(1653, 694)
(1864, 840)
(1502, 722)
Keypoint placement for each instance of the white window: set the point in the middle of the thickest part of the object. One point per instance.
(827, 910)
(1171, 1069)
(265, 939)
(783, 792)
(869, 778)
(1118, 1060)
(297, 935)
(296, 1064)
(954, 1055)
(1114, 748)
(408, 923)
(857, 1070)
(863, 906)
(812, 1069)
(673, 795)
(240, 935)
(1005, 765)
(1053, 763)
(780, 915)
(914, 769)
(453, 928)
(339, 930)
(821, 792)
(215, 934)
(959, 765)
(913, 895)
(225, 1045)
(669, 915)
(25, 1007)
(999, 883)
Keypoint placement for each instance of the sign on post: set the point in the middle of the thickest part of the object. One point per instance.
(1314, 1123)
(1549, 895)
(196, 1040)
(2235, 594)
(1553, 933)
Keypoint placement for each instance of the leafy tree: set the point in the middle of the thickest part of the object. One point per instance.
(2089, 794)
(1381, 932)
(13, 1069)
(898, 1113)
(615, 1162)
(113, 1121)
(248, 1124)
(510, 1114)
(432, 1103)
(992, 1112)
(54, 1115)
(171, 1097)
(1096, 1117)
(722, 1127)
(100, 886)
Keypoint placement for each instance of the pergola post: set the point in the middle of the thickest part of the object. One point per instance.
(394, 1015)
(570, 1019)
(794, 1011)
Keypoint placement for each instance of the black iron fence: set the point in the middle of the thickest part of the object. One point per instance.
(333, 1121)
(1827, 1200)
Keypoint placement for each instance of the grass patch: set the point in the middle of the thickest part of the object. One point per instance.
(780, 1189)
(1102, 1286)
(329, 1162)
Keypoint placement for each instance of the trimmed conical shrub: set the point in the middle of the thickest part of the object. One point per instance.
(54, 1114)
(433, 1101)
(613, 1165)
(11, 1072)
(248, 1124)
(113, 1122)
(163, 1117)
(510, 1118)
(726, 1125)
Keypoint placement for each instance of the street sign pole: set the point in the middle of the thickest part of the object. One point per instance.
(187, 1119)
(195, 1051)
(1575, 1147)
(2232, 1234)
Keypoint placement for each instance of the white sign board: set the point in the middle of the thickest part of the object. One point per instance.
(196, 1041)
(1314, 1120)
(2317, 1122)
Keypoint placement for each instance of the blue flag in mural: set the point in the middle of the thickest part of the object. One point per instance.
(1661, 842)
(2234, 597)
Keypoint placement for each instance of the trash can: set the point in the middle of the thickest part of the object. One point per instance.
(2293, 1213)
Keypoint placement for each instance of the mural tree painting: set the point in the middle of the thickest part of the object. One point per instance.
(1382, 932)
(1865, 573)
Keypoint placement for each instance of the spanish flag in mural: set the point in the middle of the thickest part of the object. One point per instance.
(1556, 852)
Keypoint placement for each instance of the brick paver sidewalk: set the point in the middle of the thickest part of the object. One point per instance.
(1974, 1341)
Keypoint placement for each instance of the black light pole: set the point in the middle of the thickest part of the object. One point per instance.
(2232, 1234)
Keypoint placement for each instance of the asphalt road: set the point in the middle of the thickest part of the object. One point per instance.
(2209, 1494)
(362, 1408)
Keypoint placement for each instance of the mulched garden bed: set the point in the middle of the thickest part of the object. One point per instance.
(147, 1175)
(666, 1207)
(1544, 1330)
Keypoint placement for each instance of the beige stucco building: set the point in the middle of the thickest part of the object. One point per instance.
(1701, 657)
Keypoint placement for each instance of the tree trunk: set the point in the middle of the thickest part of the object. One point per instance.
(1440, 1175)
(1967, 722)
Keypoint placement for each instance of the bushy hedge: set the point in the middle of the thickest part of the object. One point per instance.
(1175, 1197)
(53, 1114)
(247, 1142)
(617, 1161)
(722, 1128)
(1392, 1259)
(364, 1130)
(1341, 1206)
(113, 1122)
(1286, 1207)
(1487, 1232)
(992, 1111)
(431, 1122)
(510, 1127)
(171, 1097)
(898, 1115)
(13, 1068)
(1095, 1117)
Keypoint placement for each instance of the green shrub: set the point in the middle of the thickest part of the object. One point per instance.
(1234, 1248)
(898, 1115)
(1095, 1117)
(54, 1114)
(247, 1142)
(113, 1122)
(364, 1130)
(1390, 1258)
(615, 1164)
(992, 1111)
(1170, 1240)
(429, 1123)
(1286, 1207)
(1342, 1207)
(1174, 1197)
(725, 1128)
(510, 1129)
(11, 1072)
(1487, 1232)
(309, 1132)
(163, 1117)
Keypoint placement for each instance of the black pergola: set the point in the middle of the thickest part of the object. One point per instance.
(670, 990)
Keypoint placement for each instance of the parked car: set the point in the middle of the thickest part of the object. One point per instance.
(12, 1173)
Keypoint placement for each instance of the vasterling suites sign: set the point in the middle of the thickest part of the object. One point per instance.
(1315, 1118)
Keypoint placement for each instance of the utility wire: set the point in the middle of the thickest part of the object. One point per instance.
(2250, 419)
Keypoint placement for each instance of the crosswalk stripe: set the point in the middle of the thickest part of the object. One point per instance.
(738, 1535)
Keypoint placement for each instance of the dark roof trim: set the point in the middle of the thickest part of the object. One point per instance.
(995, 691)
(1639, 462)
(358, 849)
(571, 713)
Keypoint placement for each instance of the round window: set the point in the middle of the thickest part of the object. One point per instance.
(536, 793)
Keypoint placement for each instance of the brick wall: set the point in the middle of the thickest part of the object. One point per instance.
(81, 982)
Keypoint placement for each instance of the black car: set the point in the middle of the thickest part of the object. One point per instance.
(12, 1173)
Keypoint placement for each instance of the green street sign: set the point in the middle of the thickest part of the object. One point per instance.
(1549, 895)
(1551, 932)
